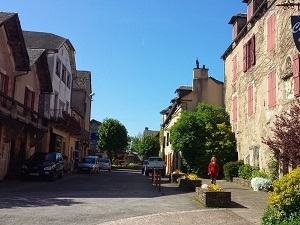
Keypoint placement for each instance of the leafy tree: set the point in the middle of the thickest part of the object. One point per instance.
(136, 144)
(200, 135)
(149, 146)
(112, 137)
(285, 143)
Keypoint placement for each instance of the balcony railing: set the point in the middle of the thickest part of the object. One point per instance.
(61, 116)
(13, 109)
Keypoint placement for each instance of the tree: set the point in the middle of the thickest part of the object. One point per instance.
(149, 146)
(136, 143)
(202, 134)
(112, 137)
(285, 143)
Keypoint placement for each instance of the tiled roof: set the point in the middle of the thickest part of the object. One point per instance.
(34, 55)
(42, 40)
(5, 16)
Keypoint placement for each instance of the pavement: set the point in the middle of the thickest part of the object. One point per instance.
(247, 207)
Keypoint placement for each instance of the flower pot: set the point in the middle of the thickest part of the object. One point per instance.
(189, 185)
(218, 199)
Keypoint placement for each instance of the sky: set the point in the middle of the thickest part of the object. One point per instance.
(138, 51)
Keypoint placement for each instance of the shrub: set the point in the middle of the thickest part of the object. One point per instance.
(259, 183)
(231, 169)
(285, 197)
(284, 201)
(258, 173)
(245, 171)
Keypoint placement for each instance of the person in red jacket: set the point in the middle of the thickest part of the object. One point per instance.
(213, 170)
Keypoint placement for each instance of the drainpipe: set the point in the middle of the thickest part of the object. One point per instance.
(15, 79)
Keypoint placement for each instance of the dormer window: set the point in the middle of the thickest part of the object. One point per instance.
(239, 22)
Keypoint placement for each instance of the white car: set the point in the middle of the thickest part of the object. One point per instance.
(90, 164)
(105, 164)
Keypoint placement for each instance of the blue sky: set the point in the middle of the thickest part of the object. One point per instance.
(138, 51)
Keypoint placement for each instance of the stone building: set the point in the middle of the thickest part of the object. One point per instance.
(204, 89)
(261, 75)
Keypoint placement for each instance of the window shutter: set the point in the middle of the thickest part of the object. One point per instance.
(234, 109)
(272, 89)
(250, 100)
(252, 50)
(269, 34)
(296, 74)
(32, 100)
(244, 57)
(234, 31)
(6, 82)
(249, 10)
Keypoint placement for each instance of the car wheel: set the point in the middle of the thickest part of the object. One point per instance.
(60, 176)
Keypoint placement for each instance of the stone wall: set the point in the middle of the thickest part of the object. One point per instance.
(220, 199)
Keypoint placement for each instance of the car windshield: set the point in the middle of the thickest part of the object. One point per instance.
(104, 160)
(155, 159)
(88, 160)
(38, 157)
(50, 157)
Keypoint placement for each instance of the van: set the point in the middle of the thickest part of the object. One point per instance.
(90, 164)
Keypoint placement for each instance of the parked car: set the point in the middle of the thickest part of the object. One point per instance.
(90, 164)
(157, 163)
(145, 163)
(105, 164)
(42, 164)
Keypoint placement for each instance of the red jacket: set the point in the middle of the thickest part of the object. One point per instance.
(213, 169)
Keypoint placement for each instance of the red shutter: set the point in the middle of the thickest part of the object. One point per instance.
(252, 50)
(269, 34)
(244, 57)
(273, 31)
(32, 100)
(6, 82)
(249, 10)
(296, 74)
(234, 31)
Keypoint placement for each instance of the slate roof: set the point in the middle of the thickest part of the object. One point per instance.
(4, 16)
(42, 40)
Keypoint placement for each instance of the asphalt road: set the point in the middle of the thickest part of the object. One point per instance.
(117, 197)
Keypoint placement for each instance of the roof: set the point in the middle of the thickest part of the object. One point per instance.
(42, 40)
(150, 132)
(95, 121)
(39, 58)
(15, 40)
(240, 15)
(182, 87)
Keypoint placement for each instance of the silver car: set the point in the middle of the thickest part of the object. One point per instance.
(90, 164)
(105, 164)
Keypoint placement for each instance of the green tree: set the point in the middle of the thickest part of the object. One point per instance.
(200, 135)
(149, 146)
(136, 144)
(112, 137)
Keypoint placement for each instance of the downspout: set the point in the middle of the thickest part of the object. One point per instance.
(15, 79)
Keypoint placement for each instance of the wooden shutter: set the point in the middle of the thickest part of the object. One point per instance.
(252, 50)
(250, 100)
(234, 31)
(296, 74)
(249, 10)
(244, 57)
(32, 100)
(271, 32)
(5, 90)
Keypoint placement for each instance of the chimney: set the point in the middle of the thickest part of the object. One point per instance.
(146, 128)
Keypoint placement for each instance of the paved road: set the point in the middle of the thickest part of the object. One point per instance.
(117, 197)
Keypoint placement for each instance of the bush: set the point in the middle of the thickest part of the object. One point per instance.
(231, 169)
(245, 171)
(284, 200)
(258, 173)
(259, 183)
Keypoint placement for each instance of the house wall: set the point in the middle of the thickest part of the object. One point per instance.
(250, 129)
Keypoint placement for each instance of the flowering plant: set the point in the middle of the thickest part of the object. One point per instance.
(177, 171)
(211, 187)
(192, 176)
(259, 183)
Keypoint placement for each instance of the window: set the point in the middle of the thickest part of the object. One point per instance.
(249, 54)
(272, 89)
(69, 80)
(234, 67)
(250, 100)
(168, 136)
(29, 99)
(234, 109)
(296, 74)
(57, 69)
(271, 32)
(249, 10)
(63, 74)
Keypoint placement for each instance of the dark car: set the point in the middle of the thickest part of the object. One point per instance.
(42, 164)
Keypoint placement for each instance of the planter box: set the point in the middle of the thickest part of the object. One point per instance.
(176, 176)
(219, 199)
(241, 181)
(189, 185)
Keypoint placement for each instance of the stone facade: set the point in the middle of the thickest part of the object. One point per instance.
(249, 100)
